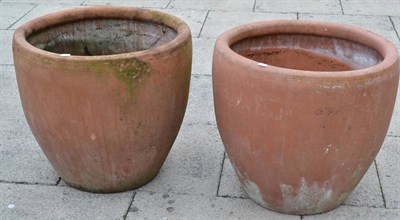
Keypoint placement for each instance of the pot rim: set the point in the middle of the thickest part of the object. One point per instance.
(103, 12)
(327, 29)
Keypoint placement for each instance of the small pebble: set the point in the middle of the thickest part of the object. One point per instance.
(11, 206)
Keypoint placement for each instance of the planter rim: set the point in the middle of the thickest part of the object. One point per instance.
(326, 29)
(103, 12)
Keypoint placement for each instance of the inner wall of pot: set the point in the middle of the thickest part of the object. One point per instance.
(102, 37)
(308, 52)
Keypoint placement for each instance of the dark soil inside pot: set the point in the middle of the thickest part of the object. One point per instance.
(308, 52)
(102, 37)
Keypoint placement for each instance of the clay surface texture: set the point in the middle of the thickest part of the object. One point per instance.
(303, 109)
(104, 90)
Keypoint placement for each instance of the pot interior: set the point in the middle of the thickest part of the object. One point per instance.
(102, 37)
(308, 52)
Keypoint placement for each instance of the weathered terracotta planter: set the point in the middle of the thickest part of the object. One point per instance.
(104, 90)
(302, 109)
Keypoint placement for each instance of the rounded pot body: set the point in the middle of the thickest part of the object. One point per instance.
(104, 90)
(303, 109)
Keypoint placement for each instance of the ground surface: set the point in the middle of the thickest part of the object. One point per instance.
(197, 180)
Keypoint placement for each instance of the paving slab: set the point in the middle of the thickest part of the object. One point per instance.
(388, 166)
(396, 23)
(51, 202)
(9, 96)
(41, 10)
(371, 7)
(194, 18)
(6, 46)
(203, 49)
(200, 108)
(21, 159)
(220, 5)
(136, 3)
(378, 24)
(367, 193)
(394, 128)
(304, 6)
(218, 22)
(173, 206)
(229, 185)
(194, 163)
(47, 2)
(11, 12)
(357, 213)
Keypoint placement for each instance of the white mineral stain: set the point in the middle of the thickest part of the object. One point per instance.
(93, 136)
(254, 192)
(262, 64)
(11, 206)
(238, 101)
(309, 198)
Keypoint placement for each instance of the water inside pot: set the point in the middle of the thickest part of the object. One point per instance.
(308, 52)
(102, 37)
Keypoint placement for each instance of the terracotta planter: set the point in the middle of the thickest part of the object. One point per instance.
(104, 90)
(303, 109)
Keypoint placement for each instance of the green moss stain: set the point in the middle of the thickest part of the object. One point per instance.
(131, 73)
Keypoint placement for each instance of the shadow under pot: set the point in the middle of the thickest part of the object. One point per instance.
(303, 109)
(104, 91)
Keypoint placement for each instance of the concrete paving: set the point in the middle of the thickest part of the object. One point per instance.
(197, 180)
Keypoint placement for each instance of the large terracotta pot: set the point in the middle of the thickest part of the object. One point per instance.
(302, 108)
(104, 90)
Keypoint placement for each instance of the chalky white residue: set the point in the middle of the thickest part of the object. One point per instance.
(254, 192)
(93, 136)
(238, 101)
(332, 86)
(328, 148)
(309, 198)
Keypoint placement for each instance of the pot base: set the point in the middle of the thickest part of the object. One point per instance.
(118, 189)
